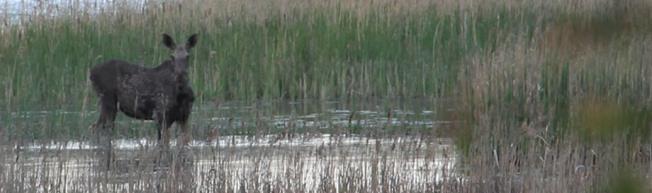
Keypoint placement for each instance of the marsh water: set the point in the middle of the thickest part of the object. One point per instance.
(278, 146)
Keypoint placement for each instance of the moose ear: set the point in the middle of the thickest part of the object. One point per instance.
(168, 41)
(192, 40)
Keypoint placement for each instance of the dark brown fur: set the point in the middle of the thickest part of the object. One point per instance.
(162, 94)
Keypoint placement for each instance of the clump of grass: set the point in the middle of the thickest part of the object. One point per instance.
(624, 180)
(536, 98)
(603, 119)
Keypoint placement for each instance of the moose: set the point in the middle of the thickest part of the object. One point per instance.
(162, 94)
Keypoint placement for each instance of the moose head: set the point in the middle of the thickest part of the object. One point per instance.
(180, 53)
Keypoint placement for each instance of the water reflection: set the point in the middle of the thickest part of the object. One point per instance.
(249, 118)
(289, 146)
(233, 163)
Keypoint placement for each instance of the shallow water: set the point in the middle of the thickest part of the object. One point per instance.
(246, 118)
(233, 163)
(282, 146)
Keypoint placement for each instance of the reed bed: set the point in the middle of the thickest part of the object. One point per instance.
(548, 96)
(563, 106)
(335, 164)
(248, 49)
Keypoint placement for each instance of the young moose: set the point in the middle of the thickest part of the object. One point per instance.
(162, 94)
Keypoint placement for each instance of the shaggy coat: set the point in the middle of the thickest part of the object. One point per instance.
(162, 93)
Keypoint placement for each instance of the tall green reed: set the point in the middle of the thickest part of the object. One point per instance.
(315, 51)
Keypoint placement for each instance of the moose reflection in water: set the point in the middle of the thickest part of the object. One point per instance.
(162, 94)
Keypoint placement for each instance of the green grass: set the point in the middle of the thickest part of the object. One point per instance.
(540, 88)
(325, 53)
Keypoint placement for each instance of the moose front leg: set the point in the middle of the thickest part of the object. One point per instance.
(164, 157)
(185, 99)
(185, 154)
(104, 127)
(163, 128)
(186, 134)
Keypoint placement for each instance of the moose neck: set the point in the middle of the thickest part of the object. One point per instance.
(180, 66)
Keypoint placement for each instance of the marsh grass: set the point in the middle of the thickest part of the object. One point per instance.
(371, 165)
(313, 49)
(549, 96)
(564, 103)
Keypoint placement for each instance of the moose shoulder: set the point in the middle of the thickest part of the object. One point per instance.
(162, 93)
